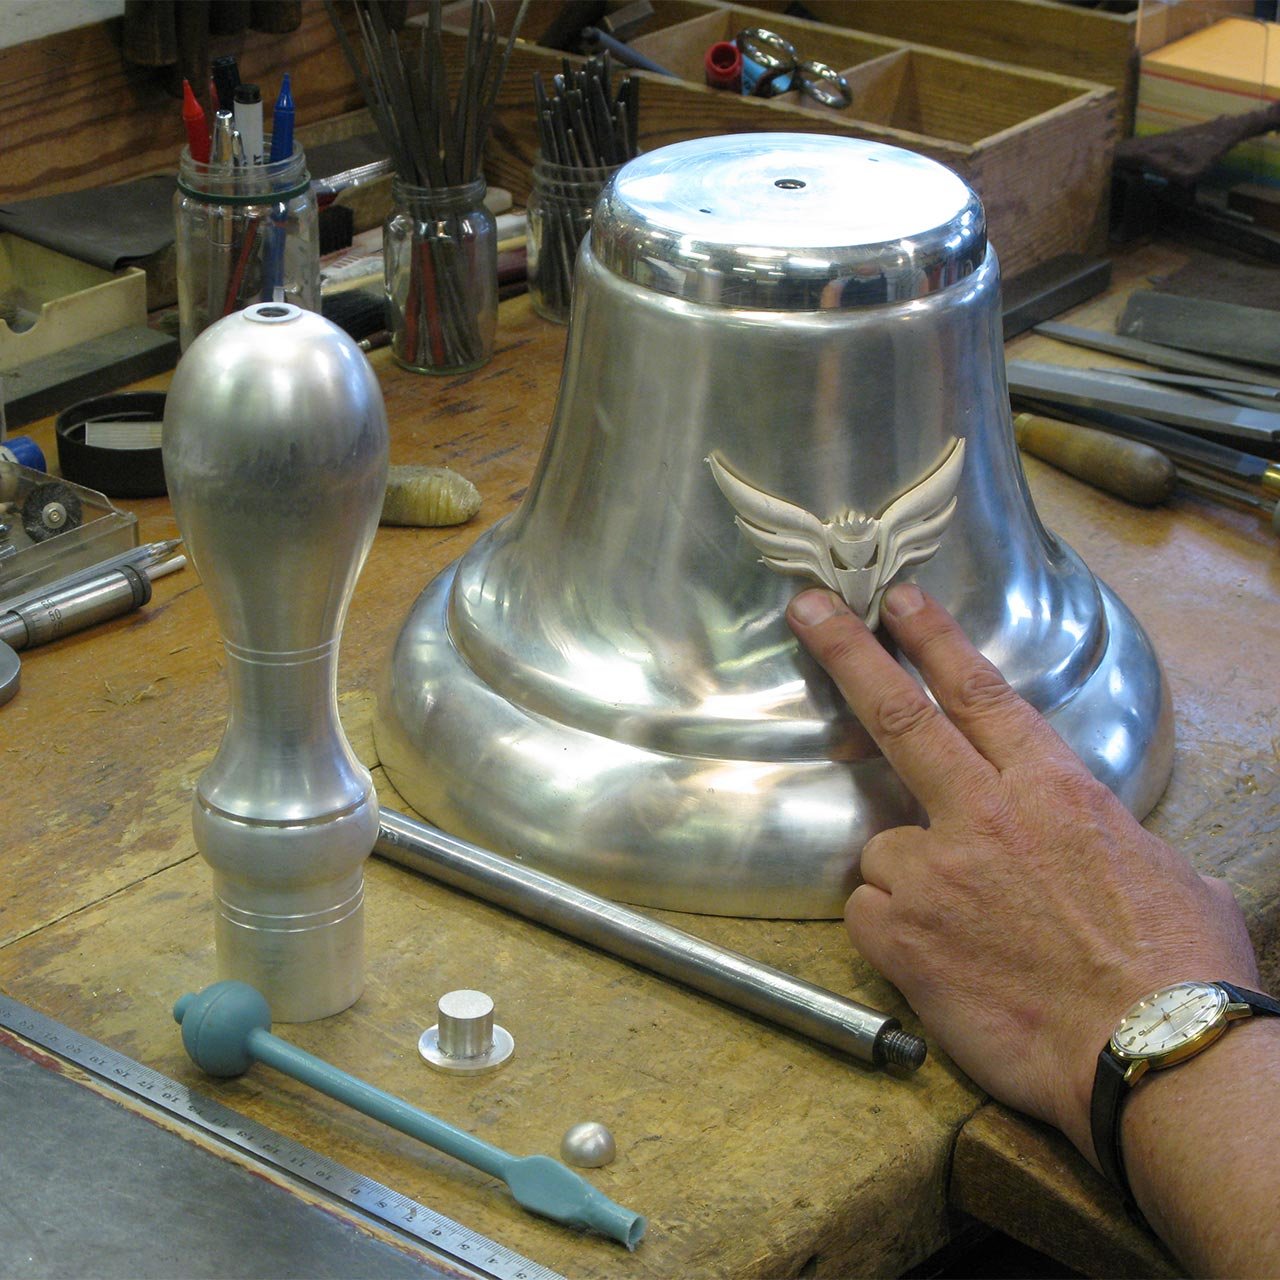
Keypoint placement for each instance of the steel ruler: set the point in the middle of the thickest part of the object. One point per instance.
(442, 1236)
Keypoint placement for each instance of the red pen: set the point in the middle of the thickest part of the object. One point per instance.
(197, 129)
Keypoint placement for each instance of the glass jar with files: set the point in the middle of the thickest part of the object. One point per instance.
(440, 256)
(559, 212)
(245, 233)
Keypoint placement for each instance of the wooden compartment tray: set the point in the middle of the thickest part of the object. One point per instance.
(1091, 43)
(1036, 147)
(53, 301)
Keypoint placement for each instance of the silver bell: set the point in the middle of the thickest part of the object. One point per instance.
(784, 365)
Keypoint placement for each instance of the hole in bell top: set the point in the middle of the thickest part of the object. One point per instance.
(789, 222)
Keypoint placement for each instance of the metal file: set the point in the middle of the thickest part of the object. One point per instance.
(1064, 385)
(1148, 352)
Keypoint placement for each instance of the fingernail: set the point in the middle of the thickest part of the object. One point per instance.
(902, 600)
(812, 607)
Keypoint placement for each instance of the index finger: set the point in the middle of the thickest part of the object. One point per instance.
(927, 751)
(977, 699)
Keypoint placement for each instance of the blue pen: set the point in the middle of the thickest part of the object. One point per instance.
(281, 149)
(282, 124)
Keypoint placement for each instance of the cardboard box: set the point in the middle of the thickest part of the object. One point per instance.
(52, 302)
(1227, 69)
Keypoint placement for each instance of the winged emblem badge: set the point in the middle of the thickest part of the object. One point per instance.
(854, 554)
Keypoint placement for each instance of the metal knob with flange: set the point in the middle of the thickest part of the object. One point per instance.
(275, 454)
(466, 1040)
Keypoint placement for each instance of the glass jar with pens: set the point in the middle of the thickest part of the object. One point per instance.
(245, 233)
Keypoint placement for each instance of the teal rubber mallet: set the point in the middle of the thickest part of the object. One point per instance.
(227, 1028)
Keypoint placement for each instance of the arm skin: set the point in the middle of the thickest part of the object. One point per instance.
(1033, 911)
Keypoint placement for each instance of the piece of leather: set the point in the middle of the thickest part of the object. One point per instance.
(1109, 1093)
(1258, 1002)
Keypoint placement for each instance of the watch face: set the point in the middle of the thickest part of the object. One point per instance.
(1169, 1020)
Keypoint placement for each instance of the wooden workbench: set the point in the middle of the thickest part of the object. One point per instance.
(752, 1152)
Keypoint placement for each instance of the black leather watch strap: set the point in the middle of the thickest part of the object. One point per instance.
(1110, 1092)
(1254, 999)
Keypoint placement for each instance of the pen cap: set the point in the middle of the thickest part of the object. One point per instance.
(248, 118)
(224, 75)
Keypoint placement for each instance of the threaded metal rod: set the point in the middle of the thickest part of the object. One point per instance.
(900, 1048)
(865, 1034)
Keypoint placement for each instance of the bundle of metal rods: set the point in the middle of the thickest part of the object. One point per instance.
(581, 123)
(585, 131)
(436, 145)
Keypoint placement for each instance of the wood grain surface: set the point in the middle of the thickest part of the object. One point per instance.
(750, 1150)
(77, 115)
(753, 1152)
(1030, 1179)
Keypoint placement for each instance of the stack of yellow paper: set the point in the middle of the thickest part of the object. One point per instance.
(1226, 69)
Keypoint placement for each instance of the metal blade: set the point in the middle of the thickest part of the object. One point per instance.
(1124, 395)
(1148, 352)
(1182, 446)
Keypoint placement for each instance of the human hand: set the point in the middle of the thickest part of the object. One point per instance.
(1033, 910)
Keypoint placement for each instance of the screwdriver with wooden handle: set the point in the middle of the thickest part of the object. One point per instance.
(1127, 468)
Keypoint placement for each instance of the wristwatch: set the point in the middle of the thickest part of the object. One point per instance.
(1162, 1029)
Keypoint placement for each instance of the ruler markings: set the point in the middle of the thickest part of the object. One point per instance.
(449, 1238)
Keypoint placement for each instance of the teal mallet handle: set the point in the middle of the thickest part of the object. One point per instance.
(227, 1028)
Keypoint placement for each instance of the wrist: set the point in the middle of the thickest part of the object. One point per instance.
(1201, 1126)
(1090, 1033)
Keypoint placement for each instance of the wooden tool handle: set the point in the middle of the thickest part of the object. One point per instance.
(1129, 469)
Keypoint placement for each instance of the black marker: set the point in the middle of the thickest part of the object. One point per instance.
(225, 76)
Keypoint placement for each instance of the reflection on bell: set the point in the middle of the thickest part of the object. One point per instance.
(784, 365)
